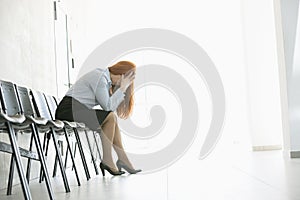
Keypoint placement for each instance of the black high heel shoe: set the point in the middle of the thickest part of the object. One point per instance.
(120, 164)
(104, 167)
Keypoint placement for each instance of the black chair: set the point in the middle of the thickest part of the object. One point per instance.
(52, 103)
(68, 132)
(30, 125)
(82, 127)
(57, 128)
(11, 119)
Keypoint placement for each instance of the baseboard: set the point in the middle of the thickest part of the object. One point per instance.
(295, 154)
(267, 148)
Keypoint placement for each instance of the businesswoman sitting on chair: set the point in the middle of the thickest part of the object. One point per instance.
(112, 89)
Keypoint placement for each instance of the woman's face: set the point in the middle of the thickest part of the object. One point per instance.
(115, 78)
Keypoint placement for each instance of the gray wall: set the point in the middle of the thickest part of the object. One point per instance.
(291, 37)
(27, 53)
(27, 39)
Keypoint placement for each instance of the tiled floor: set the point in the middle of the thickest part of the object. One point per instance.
(240, 176)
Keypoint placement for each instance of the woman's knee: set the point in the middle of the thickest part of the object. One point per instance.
(111, 117)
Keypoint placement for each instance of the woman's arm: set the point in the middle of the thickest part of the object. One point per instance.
(107, 102)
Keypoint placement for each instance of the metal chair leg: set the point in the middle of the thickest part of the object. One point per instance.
(11, 172)
(17, 156)
(60, 145)
(72, 157)
(97, 145)
(60, 162)
(55, 164)
(91, 152)
(47, 137)
(87, 173)
(44, 141)
(29, 161)
(74, 154)
(11, 176)
(48, 141)
(42, 160)
(66, 157)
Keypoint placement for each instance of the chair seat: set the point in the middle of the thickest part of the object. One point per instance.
(37, 120)
(17, 119)
(74, 124)
(2, 124)
(24, 127)
(70, 124)
(57, 124)
(80, 125)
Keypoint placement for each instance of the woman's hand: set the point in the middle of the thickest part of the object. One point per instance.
(126, 79)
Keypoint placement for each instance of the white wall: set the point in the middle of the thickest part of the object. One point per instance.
(262, 74)
(240, 38)
(27, 54)
(282, 78)
(215, 25)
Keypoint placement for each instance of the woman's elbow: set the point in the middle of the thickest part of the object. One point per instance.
(107, 107)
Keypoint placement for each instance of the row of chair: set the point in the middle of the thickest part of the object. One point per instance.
(33, 112)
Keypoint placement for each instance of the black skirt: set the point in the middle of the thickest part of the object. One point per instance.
(72, 110)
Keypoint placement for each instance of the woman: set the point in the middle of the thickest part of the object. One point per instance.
(112, 89)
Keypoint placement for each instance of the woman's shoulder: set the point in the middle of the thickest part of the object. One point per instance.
(94, 77)
(103, 74)
(97, 72)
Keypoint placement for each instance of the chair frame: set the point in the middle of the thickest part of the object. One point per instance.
(52, 103)
(9, 108)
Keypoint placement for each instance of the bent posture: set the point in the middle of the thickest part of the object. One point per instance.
(112, 89)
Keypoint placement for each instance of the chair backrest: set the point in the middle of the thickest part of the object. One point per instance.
(1, 109)
(51, 105)
(1, 102)
(9, 99)
(25, 101)
(40, 105)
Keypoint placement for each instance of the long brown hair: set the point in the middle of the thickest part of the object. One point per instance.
(125, 108)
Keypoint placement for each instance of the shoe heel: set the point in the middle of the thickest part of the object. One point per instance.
(102, 170)
(119, 165)
(104, 167)
(119, 168)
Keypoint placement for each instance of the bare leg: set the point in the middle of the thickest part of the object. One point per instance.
(118, 147)
(107, 136)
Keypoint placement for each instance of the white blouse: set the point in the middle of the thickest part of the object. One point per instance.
(93, 89)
